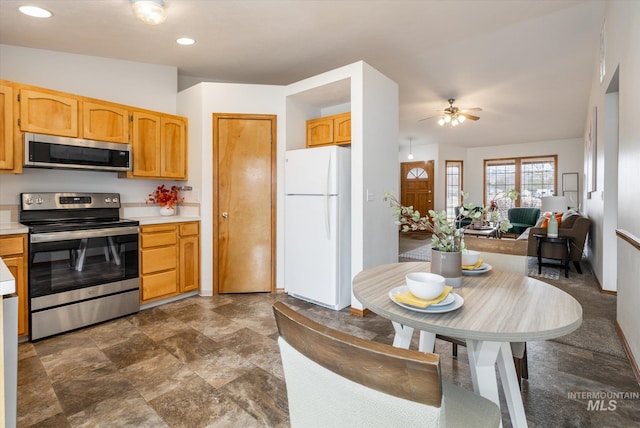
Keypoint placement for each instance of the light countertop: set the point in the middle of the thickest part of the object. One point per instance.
(164, 219)
(12, 228)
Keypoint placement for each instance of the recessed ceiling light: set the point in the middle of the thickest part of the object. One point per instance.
(35, 11)
(185, 41)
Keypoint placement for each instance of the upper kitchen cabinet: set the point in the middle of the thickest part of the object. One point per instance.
(329, 130)
(49, 112)
(173, 147)
(6, 128)
(159, 146)
(105, 122)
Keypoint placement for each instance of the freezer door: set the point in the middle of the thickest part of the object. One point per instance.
(311, 249)
(312, 171)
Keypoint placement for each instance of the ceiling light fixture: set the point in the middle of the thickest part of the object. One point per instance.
(150, 12)
(185, 41)
(410, 149)
(451, 115)
(35, 11)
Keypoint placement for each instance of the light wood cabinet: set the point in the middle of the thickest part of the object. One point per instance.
(169, 260)
(189, 255)
(329, 130)
(6, 127)
(159, 144)
(105, 122)
(160, 141)
(173, 147)
(13, 250)
(49, 112)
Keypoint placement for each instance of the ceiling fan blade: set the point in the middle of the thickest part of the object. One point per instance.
(470, 116)
(471, 109)
(422, 120)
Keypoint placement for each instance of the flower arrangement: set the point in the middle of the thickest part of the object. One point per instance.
(165, 196)
(446, 236)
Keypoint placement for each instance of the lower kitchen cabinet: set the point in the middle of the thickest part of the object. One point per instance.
(169, 260)
(13, 250)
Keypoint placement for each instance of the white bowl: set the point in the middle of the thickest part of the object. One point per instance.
(425, 285)
(470, 257)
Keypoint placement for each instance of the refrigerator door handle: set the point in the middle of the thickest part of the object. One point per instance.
(326, 200)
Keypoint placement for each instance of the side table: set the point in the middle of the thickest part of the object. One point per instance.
(565, 241)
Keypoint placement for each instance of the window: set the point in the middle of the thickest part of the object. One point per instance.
(533, 177)
(453, 185)
(415, 173)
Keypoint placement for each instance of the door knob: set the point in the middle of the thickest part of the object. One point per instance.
(225, 214)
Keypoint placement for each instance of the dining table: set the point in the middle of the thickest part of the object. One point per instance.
(490, 311)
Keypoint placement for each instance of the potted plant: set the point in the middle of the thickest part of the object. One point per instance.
(447, 239)
(166, 198)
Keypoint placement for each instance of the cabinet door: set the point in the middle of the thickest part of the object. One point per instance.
(105, 122)
(146, 145)
(342, 128)
(48, 113)
(17, 269)
(319, 132)
(6, 127)
(173, 148)
(189, 266)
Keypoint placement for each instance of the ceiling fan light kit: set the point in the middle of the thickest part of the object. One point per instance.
(150, 12)
(453, 116)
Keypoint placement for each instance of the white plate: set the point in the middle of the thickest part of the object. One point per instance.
(484, 267)
(431, 309)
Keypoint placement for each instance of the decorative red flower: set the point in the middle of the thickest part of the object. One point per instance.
(164, 196)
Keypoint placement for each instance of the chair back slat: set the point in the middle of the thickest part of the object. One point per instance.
(403, 373)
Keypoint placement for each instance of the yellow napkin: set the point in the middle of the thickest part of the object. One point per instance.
(472, 267)
(409, 299)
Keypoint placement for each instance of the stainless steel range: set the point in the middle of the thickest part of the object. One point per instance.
(83, 260)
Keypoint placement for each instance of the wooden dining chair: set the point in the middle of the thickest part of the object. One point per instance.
(335, 379)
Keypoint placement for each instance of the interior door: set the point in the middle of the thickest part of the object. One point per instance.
(244, 153)
(416, 185)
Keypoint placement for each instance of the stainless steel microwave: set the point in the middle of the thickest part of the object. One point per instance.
(48, 151)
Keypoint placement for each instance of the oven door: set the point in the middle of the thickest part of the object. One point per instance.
(61, 262)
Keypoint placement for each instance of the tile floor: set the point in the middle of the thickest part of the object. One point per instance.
(214, 362)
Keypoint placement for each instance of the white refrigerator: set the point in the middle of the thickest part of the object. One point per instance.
(318, 225)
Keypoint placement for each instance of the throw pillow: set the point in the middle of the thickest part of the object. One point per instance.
(545, 222)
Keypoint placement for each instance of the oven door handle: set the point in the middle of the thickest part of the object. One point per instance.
(80, 234)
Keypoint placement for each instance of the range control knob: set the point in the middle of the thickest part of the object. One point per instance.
(39, 201)
(107, 200)
(28, 201)
(115, 200)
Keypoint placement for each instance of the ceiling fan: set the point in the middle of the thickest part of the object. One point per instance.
(453, 116)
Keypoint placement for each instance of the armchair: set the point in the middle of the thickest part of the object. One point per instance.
(522, 218)
(336, 379)
(573, 225)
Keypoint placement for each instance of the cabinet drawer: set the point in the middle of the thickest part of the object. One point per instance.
(158, 239)
(159, 284)
(11, 246)
(158, 259)
(158, 228)
(187, 229)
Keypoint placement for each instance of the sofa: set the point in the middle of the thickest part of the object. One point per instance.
(573, 225)
(522, 218)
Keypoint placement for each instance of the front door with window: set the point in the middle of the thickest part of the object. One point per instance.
(416, 185)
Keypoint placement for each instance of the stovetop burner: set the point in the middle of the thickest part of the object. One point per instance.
(63, 226)
(60, 212)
